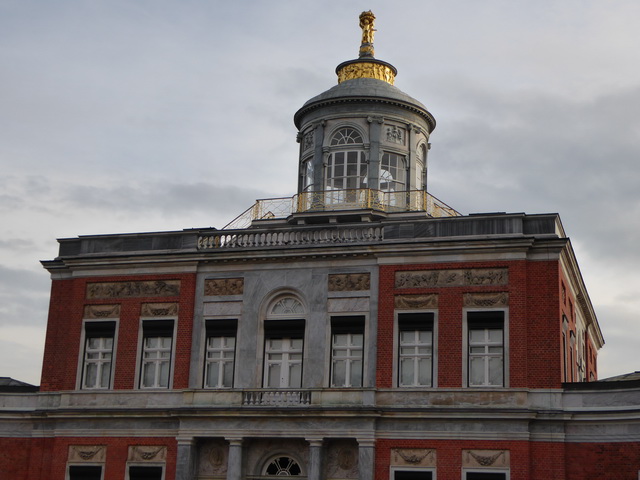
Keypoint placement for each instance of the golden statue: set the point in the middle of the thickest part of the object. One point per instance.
(367, 22)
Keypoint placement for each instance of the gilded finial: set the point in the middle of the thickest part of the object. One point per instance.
(367, 23)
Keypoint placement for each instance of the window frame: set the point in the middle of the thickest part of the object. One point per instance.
(146, 464)
(88, 464)
(350, 325)
(284, 330)
(394, 470)
(432, 323)
(161, 325)
(80, 376)
(504, 312)
(220, 328)
(400, 180)
(504, 471)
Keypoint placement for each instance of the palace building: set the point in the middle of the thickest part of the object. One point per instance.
(361, 329)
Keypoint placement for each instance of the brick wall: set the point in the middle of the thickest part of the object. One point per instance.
(534, 345)
(64, 328)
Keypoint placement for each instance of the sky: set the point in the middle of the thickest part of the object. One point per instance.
(152, 115)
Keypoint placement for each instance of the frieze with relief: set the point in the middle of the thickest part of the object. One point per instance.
(159, 310)
(87, 453)
(415, 302)
(500, 299)
(147, 453)
(212, 458)
(224, 286)
(349, 282)
(342, 460)
(485, 458)
(153, 288)
(395, 135)
(101, 311)
(414, 457)
(452, 278)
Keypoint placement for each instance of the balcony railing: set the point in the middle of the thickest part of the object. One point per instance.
(276, 398)
(340, 200)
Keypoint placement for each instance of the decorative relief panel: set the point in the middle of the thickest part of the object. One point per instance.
(415, 302)
(354, 304)
(101, 311)
(395, 135)
(212, 459)
(485, 458)
(308, 140)
(223, 308)
(153, 288)
(342, 459)
(147, 453)
(87, 453)
(349, 282)
(159, 310)
(500, 299)
(414, 457)
(224, 286)
(452, 278)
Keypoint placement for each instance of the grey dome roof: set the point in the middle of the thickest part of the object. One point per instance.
(368, 90)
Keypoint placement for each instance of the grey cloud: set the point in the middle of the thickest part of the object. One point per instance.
(23, 297)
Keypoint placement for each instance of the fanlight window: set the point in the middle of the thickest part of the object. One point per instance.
(346, 136)
(283, 466)
(286, 306)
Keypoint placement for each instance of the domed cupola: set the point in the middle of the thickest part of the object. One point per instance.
(364, 142)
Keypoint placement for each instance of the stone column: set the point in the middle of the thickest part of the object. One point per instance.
(315, 460)
(375, 133)
(186, 459)
(366, 459)
(234, 463)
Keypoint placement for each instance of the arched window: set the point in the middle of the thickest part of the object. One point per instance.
(282, 466)
(283, 343)
(307, 172)
(346, 165)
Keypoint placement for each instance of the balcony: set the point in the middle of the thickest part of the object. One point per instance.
(343, 200)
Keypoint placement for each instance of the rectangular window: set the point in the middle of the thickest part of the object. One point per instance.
(98, 353)
(412, 475)
(220, 354)
(85, 472)
(485, 349)
(347, 348)
(415, 349)
(157, 345)
(283, 352)
(145, 472)
(485, 476)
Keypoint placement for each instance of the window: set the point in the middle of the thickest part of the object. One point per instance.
(85, 472)
(347, 348)
(283, 349)
(307, 185)
(412, 475)
(415, 349)
(283, 466)
(346, 167)
(157, 344)
(392, 173)
(98, 354)
(145, 472)
(220, 353)
(485, 349)
(486, 476)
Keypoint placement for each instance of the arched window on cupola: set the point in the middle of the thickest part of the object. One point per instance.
(346, 166)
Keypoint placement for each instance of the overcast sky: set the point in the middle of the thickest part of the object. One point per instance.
(128, 116)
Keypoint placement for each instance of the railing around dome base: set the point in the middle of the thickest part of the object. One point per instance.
(342, 200)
